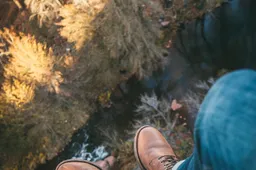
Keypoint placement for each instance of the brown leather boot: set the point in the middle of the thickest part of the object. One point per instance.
(106, 164)
(77, 165)
(152, 151)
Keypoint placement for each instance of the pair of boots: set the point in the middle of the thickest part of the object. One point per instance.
(151, 149)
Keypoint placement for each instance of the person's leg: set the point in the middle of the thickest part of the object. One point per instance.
(225, 129)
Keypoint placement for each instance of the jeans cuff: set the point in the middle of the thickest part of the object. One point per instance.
(176, 166)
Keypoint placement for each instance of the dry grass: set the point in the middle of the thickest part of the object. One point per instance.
(126, 156)
(194, 98)
(30, 62)
(123, 35)
(55, 120)
(117, 36)
(26, 104)
(154, 111)
(76, 24)
(89, 3)
(121, 149)
(17, 93)
(129, 34)
(45, 11)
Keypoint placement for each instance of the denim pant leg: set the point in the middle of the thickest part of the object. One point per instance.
(225, 129)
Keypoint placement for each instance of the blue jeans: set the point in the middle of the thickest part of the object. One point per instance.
(225, 129)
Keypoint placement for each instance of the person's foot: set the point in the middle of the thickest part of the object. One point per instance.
(152, 151)
(106, 164)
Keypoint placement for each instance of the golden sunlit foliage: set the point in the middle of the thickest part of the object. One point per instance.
(18, 93)
(30, 62)
(45, 11)
(30, 72)
(76, 24)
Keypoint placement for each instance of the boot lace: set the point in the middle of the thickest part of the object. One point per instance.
(168, 161)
